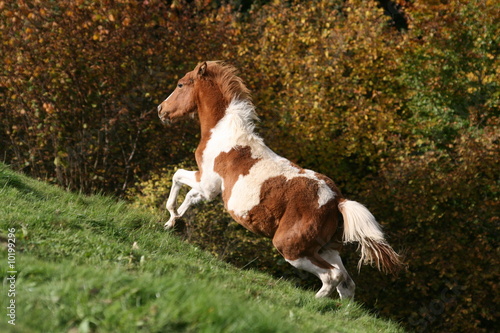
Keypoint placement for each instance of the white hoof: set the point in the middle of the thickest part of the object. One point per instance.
(346, 289)
(171, 222)
(325, 291)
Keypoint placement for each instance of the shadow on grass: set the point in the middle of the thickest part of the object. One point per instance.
(8, 179)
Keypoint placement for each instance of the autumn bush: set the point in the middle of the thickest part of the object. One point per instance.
(404, 120)
(80, 83)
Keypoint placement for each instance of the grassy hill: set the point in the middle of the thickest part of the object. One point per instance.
(95, 264)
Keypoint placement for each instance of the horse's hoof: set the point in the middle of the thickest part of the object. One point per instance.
(170, 224)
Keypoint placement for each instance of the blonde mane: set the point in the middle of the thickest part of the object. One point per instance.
(225, 76)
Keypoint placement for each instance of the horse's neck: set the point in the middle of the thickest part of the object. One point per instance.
(210, 116)
(235, 128)
(210, 112)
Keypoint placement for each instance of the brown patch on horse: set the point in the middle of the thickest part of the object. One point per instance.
(211, 107)
(233, 164)
(264, 218)
(287, 213)
(304, 228)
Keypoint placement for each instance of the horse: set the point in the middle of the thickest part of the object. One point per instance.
(269, 195)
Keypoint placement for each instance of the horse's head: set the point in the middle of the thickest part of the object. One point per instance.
(210, 87)
(182, 101)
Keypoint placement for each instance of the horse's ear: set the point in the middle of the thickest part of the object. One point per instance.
(203, 69)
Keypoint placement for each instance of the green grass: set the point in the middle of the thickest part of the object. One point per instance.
(95, 264)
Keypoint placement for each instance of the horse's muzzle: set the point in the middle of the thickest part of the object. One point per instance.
(164, 118)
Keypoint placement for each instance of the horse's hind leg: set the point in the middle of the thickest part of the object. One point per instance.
(330, 276)
(346, 287)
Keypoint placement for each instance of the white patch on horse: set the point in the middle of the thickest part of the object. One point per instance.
(246, 191)
(236, 128)
(325, 193)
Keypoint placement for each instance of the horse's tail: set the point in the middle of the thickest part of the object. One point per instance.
(360, 226)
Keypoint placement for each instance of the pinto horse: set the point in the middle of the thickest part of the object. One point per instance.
(266, 193)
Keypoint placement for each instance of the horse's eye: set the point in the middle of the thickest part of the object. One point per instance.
(180, 85)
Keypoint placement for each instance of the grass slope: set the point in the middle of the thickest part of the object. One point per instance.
(94, 264)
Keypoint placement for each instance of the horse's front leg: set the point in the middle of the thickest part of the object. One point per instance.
(182, 177)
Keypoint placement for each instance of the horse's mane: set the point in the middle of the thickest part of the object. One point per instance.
(225, 76)
(240, 109)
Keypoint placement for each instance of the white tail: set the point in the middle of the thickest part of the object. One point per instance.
(360, 226)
